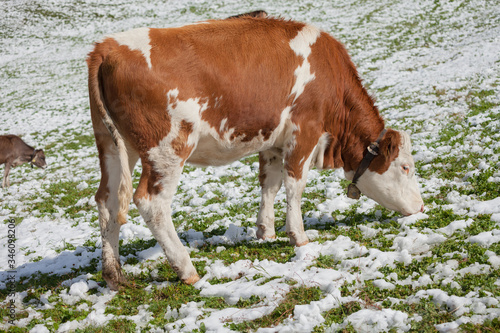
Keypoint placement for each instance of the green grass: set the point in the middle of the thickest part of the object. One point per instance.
(64, 195)
(297, 295)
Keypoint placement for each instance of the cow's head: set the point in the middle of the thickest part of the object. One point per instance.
(38, 159)
(392, 183)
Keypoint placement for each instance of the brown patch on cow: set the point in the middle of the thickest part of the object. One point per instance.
(179, 144)
(121, 218)
(102, 141)
(332, 156)
(142, 193)
(262, 170)
(148, 183)
(295, 160)
(194, 59)
(388, 152)
(129, 88)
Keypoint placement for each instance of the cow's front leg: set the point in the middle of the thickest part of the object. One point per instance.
(294, 223)
(5, 182)
(153, 198)
(270, 177)
(297, 163)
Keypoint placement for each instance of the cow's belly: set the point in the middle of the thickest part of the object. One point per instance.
(210, 151)
(222, 147)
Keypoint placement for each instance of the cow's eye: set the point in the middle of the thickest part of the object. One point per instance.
(405, 168)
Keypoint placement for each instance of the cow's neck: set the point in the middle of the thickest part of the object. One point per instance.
(27, 155)
(354, 123)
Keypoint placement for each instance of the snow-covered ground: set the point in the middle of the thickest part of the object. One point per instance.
(435, 70)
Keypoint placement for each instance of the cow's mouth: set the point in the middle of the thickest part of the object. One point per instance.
(405, 213)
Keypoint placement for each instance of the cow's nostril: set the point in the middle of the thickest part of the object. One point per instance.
(422, 209)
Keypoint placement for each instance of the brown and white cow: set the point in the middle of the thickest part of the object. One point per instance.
(213, 92)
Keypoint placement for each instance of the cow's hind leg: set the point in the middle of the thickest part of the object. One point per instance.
(113, 198)
(270, 177)
(153, 198)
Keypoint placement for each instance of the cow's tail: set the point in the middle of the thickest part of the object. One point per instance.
(98, 110)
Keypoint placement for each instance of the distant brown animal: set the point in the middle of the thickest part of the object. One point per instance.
(14, 151)
(212, 93)
(257, 13)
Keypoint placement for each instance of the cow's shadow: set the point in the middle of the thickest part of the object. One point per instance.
(53, 272)
(49, 273)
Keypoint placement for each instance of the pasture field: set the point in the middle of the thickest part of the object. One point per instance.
(434, 67)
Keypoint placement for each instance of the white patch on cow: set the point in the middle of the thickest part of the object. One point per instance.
(394, 189)
(113, 164)
(136, 39)
(306, 37)
(318, 154)
(222, 126)
(285, 130)
(301, 45)
(189, 111)
(217, 102)
(290, 135)
(194, 23)
(164, 156)
(220, 147)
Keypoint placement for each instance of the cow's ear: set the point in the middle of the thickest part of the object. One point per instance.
(388, 151)
(389, 146)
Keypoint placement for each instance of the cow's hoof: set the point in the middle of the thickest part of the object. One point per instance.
(115, 283)
(192, 279)
(302, 244)
(298, 240)
(263, 233)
